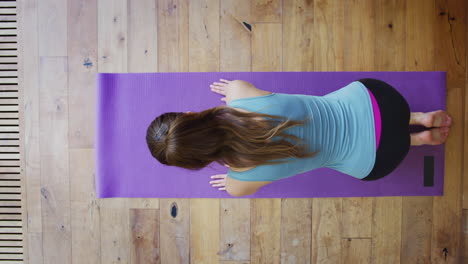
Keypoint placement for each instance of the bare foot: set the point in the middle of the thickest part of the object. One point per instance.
(434, 136)
(437, 118)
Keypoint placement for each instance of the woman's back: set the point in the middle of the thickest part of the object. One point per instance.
(339, 125)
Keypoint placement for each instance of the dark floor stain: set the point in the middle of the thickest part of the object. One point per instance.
(87, 63)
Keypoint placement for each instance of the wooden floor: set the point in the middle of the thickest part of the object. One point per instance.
(63, 44)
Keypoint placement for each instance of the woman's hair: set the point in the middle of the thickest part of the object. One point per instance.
(224, 135)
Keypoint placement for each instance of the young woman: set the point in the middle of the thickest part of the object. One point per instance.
(361, 130)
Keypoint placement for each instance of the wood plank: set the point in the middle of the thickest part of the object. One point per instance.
(8, 101)
(82, 169)
(6, 52)
(9, 136)
(7, 94)
(9, 204)
(450, 48)
(8, 108)
(357, 217)
(4, 45)
(8, 31)
(296, 230)
(11, 243)
(204, 56)
(235, 229)
(82, 58)
(144, 226)
(416, 230)
(112, 35)
(8, 67)
(267, 11)
(389, 56)
(9, 80)
(10, 230)
(464, 242)
(53, 127)
(142, 42)
(356, 250)
(465, 157)
(8, 60)
(204, 35)
(34, 248)
(11, 122)
(326, 230)
(8, 25)
(10, 149)
(8, 4)
(86, 231)
(359, 20)
(235, 38)
(85, 219)
(11, 223)
(175, 230)
(10, 250)
(11, 257)
(173, 28)
(9, 156)
(298, 46)
(8, 39)
(9, 129)
(11, 216)
(10, 169)
(234, 56)
(10, 189)
(11, 236)
(328, 56)
(9, 162)
(265, 228)
(4, 10)
(112, 50)
(204, 230)
(52, 27)
(417, 211)
(266, 47)
(143, 57)
(173, 56)
(115, 234)
(359, 28)
(7, 18)
(10, 196)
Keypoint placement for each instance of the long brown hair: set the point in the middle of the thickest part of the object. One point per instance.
(224, 135)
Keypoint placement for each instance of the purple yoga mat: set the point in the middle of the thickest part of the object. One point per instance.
(128, 102)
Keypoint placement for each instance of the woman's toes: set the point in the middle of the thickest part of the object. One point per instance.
(439, 135)
(441, 119)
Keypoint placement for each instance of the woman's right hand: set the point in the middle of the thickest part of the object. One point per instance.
(221, 88)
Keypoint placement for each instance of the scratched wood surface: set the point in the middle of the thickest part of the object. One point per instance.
(63, 45)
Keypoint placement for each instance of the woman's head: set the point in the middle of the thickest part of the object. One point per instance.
(223, 135)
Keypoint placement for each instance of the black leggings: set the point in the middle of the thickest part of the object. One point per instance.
(395, 139)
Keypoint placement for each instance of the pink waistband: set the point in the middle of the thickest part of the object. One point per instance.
(377, 120)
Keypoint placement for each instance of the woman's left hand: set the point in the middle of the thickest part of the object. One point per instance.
(221, 182)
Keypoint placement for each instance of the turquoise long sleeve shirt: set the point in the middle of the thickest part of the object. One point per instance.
(340, 125)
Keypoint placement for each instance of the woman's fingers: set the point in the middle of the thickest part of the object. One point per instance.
(218, 84)
(223, 80)
(217, 181)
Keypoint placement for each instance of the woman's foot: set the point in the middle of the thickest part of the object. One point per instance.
(437, 118)
(435, 136)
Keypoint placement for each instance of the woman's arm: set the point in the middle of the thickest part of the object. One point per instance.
(236, 89)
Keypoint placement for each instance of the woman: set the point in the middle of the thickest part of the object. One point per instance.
(361, 130)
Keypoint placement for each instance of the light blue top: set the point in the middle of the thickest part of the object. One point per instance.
(340, 125)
